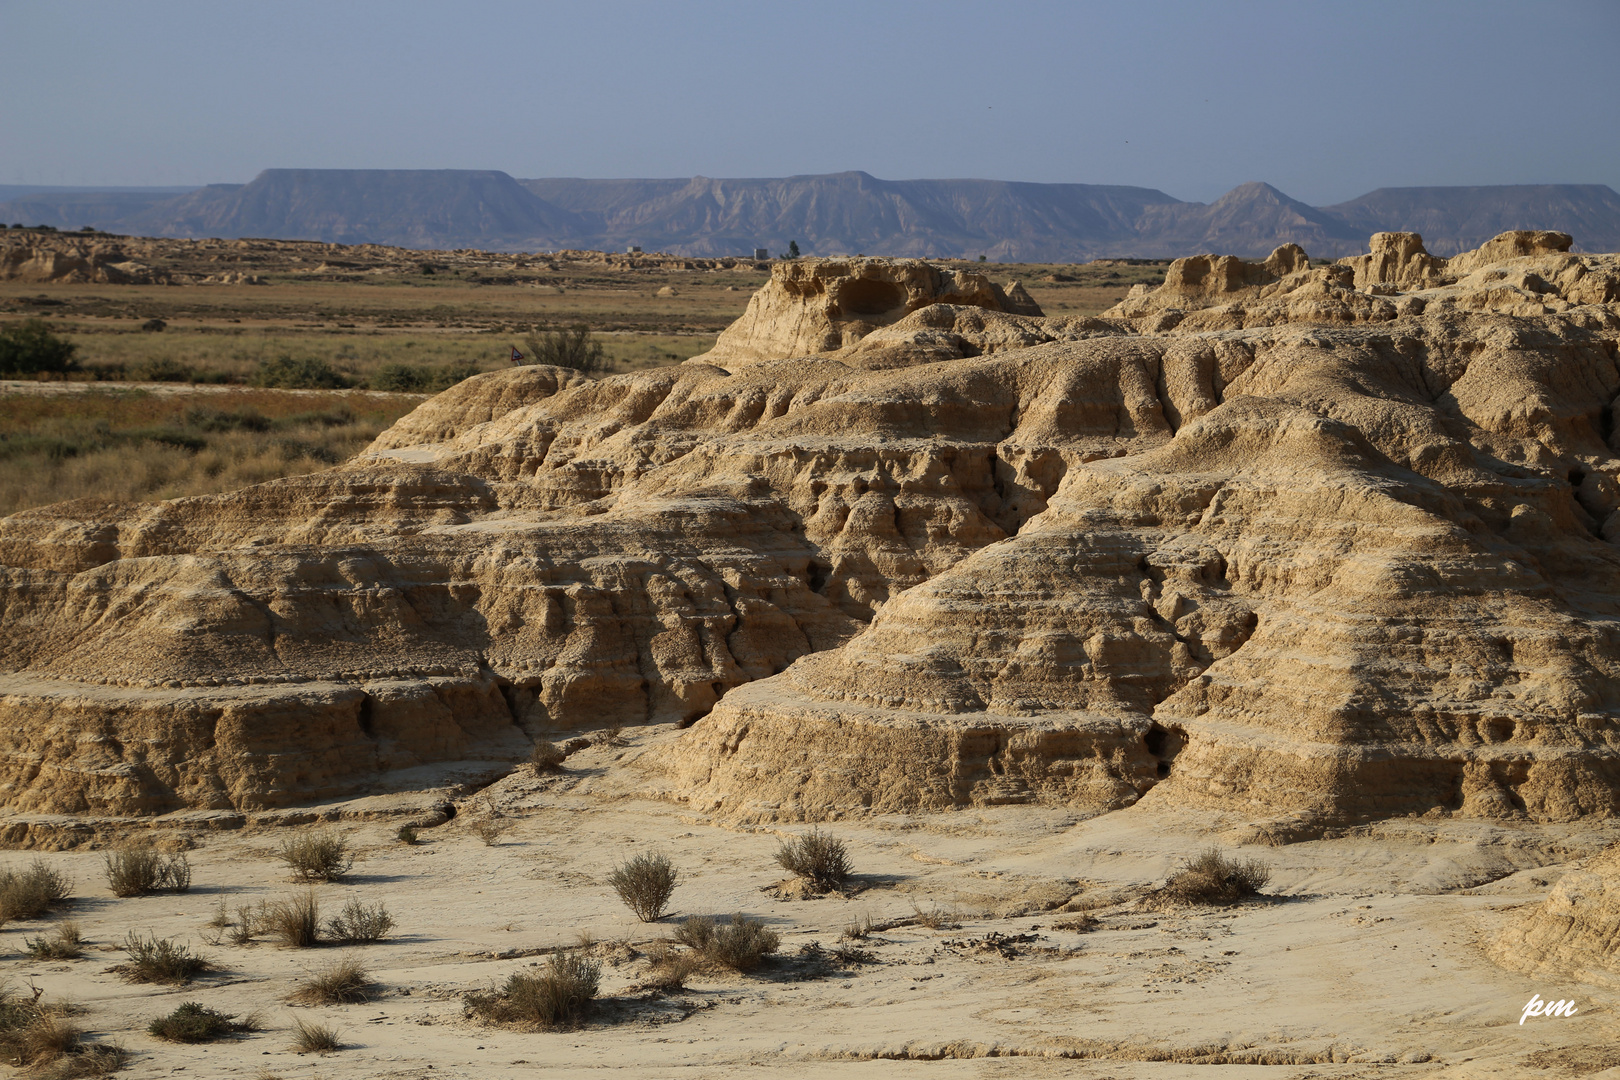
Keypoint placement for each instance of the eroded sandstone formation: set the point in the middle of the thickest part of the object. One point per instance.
(1575, 932)
(1276, 538)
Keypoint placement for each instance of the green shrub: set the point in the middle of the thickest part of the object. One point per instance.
(816, 857)
(645, 884)
(160, 960)
(406, 834)
(29, 348)
(571, 347)
(360, 924)
(192, 1022)
(322, 856)
(64, 944)
(30, 893)
(135, 871)
(299, 373)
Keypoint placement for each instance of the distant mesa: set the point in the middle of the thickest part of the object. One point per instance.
(834, 214)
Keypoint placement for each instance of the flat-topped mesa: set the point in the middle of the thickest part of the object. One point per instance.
(815, 306)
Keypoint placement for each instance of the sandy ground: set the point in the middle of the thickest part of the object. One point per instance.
(1366, 961)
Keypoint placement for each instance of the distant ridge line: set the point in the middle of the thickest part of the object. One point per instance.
(831, 214)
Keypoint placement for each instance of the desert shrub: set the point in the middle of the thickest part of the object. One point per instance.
(407, 834)
(294, 920)
(857, 929)
(246, 925)
(668, 968)
(312, 1038)
(555, 996)
(740, 944)
(160, 960)
(192, 1022)
(548, 755)
(322, 856)
(936, 917)
(645, 884)
(816, 857)
(30, 893)
(1079, 924)
(64, 944)
(164, 369)
(299, 373)
(218, 420)
(489, 830)
(1212, 878)
(400, 378)
(342, 982)
(29, 348)
(135, 871)
(360, 924)
(570, 347)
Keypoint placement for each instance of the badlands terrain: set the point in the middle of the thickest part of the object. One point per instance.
(1310, 562)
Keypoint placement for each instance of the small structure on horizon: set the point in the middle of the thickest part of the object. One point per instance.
(633, 249)
(761, 253)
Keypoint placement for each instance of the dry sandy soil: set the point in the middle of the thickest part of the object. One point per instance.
(1365, 960)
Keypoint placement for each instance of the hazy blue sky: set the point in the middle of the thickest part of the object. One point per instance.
(1324, 100)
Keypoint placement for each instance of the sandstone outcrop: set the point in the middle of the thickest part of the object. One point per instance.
(46, 260)
(822, 305)
(1575, 932)
(1259, 540)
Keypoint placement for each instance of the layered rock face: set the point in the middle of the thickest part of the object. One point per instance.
(1575, 932)
(820, 305)
(1263, 539)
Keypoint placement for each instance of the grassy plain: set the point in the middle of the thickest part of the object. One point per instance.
(159, 413)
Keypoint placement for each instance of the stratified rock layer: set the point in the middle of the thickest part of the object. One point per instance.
(1575, 932)
(1274, 538)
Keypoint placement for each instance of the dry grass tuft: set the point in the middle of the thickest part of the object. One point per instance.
(64, 944)
(30, 893)
(668, 968)
(342, 982)
(740, 944)
(32, 1034)
(1212, 878)
(819, 859)
(858, 929)
(136, 871)
(312, 1038)
(360, 924)
(489, 830)
(407, 834)
(937, 918)
(160, 960)
(556, 996)
(322, 856)
(295, 921)
(645, 884)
